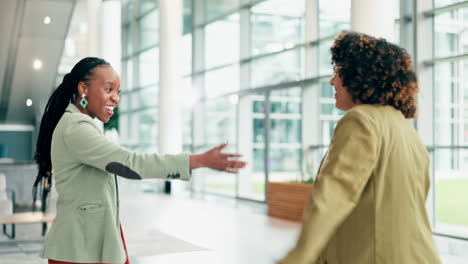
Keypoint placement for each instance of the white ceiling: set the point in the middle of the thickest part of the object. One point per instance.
(25, 38)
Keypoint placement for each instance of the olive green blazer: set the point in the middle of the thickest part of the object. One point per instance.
(368, 203)
(85, 164)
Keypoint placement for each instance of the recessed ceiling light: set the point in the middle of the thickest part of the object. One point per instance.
(29, 102)
(47, 20)
(37, 64)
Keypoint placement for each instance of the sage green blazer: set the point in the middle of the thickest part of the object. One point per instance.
(85, 164)
(368, 203)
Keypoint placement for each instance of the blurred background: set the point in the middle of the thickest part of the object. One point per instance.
(253, 72)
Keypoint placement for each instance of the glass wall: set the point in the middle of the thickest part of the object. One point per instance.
(285, 134)
(139, 96)
(256, 73)
(140, 75)
(451, 116)
(243, 80)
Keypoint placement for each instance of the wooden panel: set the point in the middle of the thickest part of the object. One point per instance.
(26, 218)
(288, 200)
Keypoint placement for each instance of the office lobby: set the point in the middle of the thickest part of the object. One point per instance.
(194, 74)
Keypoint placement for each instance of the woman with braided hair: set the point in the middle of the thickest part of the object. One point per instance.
(84, 165)
(368, 203)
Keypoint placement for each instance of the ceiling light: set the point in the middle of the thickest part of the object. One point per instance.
(29, 102)
(47, 20)
(234, 99)
(37, 64)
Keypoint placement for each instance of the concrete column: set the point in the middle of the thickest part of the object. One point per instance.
(311, 95)
(311, 92)
(6, 205)
(244, 123)
(93, 7)
(426, 108)
(170, 121)
(373, 17)
(110, 40)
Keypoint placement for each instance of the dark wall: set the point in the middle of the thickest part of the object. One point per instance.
(19, 144)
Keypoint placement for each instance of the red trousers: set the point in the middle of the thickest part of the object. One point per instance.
(51, 261)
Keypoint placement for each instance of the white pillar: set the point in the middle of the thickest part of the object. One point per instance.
(93, 39)
(247, 177)
(426, 106)
(6, 206)
(170, 121)
(373, 17)
(110, 43)
(93, 26)
(311, 94)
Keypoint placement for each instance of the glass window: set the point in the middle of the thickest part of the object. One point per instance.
(148, 29)
(285, 157)
(188, 16)
(451, 136)
(451, 186)
(220, 121)
(222, 81)
(187, 127)
(133, 134)
(219, 182)
(329, 109)
(285, 163)
(220, 125)
(123, 102)
(325, 66)
(127, 10)
(397, 24)
(439, 3)
(146, 97)
(128, 40)
(148, 72)
(276, 25)
(451, 33)
(146, 5)
(251, 180)
(327, 90)
(397, 30)
(329, 114)
(449, 104)
(215, 8)
(283, 67)
(334, 16)
(222, 42)
(285, 130)
(127, 77)
(123, 122)
(148, 127)
(327, 129)
(186, 54)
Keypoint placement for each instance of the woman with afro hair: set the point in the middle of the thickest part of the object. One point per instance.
(368, 203)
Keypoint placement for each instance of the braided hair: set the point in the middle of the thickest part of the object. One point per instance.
(66, 93)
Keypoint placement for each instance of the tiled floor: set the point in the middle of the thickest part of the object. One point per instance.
(177, 229)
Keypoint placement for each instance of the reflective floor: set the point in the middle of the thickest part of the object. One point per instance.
(181, 228)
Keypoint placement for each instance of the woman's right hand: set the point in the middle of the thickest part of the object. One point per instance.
(216, 160)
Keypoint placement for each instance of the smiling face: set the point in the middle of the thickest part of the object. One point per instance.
(343, 99)
(102, 89)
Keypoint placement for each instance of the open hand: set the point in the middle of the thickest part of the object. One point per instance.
(216, 160)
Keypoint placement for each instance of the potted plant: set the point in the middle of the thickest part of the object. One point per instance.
(287, 200)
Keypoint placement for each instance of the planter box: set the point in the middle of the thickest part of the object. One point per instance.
(288, 200)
